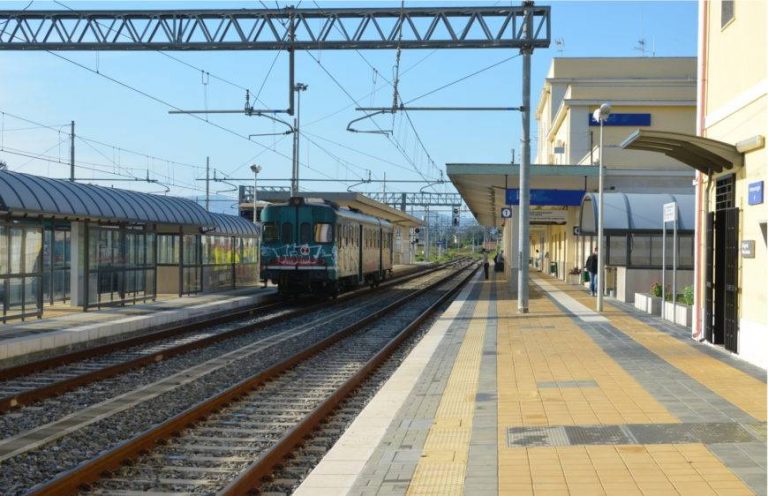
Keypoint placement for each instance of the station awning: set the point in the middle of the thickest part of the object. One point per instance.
(703, 154)
(347, 199)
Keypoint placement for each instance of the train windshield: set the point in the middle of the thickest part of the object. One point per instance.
(323, 233)
(270, 232)
(286, 236)
(305, 233)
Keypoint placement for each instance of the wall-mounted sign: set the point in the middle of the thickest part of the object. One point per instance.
(623, 120)
(506, 213)
(755, 193)
(670, 212)
(748, 248)
(548, 216)
(547, 197)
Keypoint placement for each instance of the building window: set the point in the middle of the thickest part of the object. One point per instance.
(726, 12)
(724, 192)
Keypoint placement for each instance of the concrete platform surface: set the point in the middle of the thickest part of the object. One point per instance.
(561, 400)
(65, 331)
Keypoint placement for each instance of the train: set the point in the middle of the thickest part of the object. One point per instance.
(317, 247)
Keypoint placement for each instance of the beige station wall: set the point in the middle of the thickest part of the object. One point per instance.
(736, 109)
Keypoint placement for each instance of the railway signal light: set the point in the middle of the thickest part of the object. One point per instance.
(456, 216)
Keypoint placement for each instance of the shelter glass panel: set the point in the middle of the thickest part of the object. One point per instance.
(21, 265)
(617, 250)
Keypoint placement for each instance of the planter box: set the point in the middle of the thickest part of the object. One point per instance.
(647, 303)
(574, 278)
(678, 313)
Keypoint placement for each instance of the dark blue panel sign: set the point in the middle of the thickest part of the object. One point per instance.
(623, 120)
(755, 193)
(548, 197)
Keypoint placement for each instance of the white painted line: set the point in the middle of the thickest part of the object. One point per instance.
(333, 475)
(573, 306)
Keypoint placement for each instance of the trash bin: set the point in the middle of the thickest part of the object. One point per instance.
(553, 268)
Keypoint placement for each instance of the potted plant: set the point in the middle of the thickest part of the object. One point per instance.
(680, 310)
(649, 302)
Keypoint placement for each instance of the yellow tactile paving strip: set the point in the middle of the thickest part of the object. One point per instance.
(648, 470)
(545, 346)
(443, 462)
(742, 390)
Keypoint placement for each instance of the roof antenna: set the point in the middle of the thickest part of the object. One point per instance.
(560, 44)
(641, 46)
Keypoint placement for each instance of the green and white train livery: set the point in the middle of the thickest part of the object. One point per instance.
(319, 247)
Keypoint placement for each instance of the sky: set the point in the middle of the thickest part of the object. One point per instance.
(126, 134)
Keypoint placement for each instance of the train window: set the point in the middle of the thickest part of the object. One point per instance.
(323, 233)
(270, 232)
(286, 234)
(305, 233)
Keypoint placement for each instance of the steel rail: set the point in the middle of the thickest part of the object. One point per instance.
(86, 473)
(63, 386)
(253, 475)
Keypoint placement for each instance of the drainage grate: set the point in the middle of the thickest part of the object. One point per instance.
(566, 384)
(519, 437)
(571, 435)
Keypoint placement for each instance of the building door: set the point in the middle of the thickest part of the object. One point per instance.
(731, 282)
(722, 268)
(709, 290)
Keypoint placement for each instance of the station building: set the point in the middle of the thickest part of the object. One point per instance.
(403, 224)
(67, 243)
(729, 156)
(651, 93)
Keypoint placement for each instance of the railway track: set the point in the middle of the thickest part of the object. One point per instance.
(32, 382)
(81, 435)
(210, 445)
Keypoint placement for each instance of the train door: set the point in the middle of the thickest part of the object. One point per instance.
(380, 235)
(360, 253)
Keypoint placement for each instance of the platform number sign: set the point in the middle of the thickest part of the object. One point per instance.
(506, 213)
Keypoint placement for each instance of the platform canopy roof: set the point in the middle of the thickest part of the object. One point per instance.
(234, 225)
(703, 154)
(635, 212)
(349, 199)
(483, 186)
(25, 194)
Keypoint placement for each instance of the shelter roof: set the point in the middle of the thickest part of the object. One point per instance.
(703, 154)
(635, 212)
(26, 194)
(234, 225)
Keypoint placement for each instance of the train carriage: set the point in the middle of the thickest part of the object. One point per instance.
(318, 247)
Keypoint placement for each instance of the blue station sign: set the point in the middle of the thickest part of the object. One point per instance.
(755, 193)
(548, 197)
(623, 120)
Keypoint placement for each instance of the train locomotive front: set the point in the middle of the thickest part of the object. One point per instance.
(317, 247)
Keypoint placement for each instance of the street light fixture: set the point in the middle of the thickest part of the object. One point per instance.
(298, 88)
(256, 169)
(600, 115)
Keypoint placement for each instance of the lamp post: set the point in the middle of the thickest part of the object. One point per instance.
(298, 88)
(600, 115)
(256, 169)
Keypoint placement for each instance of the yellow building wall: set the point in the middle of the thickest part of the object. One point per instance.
(736, 53)
(736, 109)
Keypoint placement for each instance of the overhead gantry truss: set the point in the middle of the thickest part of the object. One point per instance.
(276, 29)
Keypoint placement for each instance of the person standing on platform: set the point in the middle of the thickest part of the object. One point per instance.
(485, 264)
(591, 267)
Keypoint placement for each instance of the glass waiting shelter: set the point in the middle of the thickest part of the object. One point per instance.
(88, 245)
(225, 257)
(632, 227)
